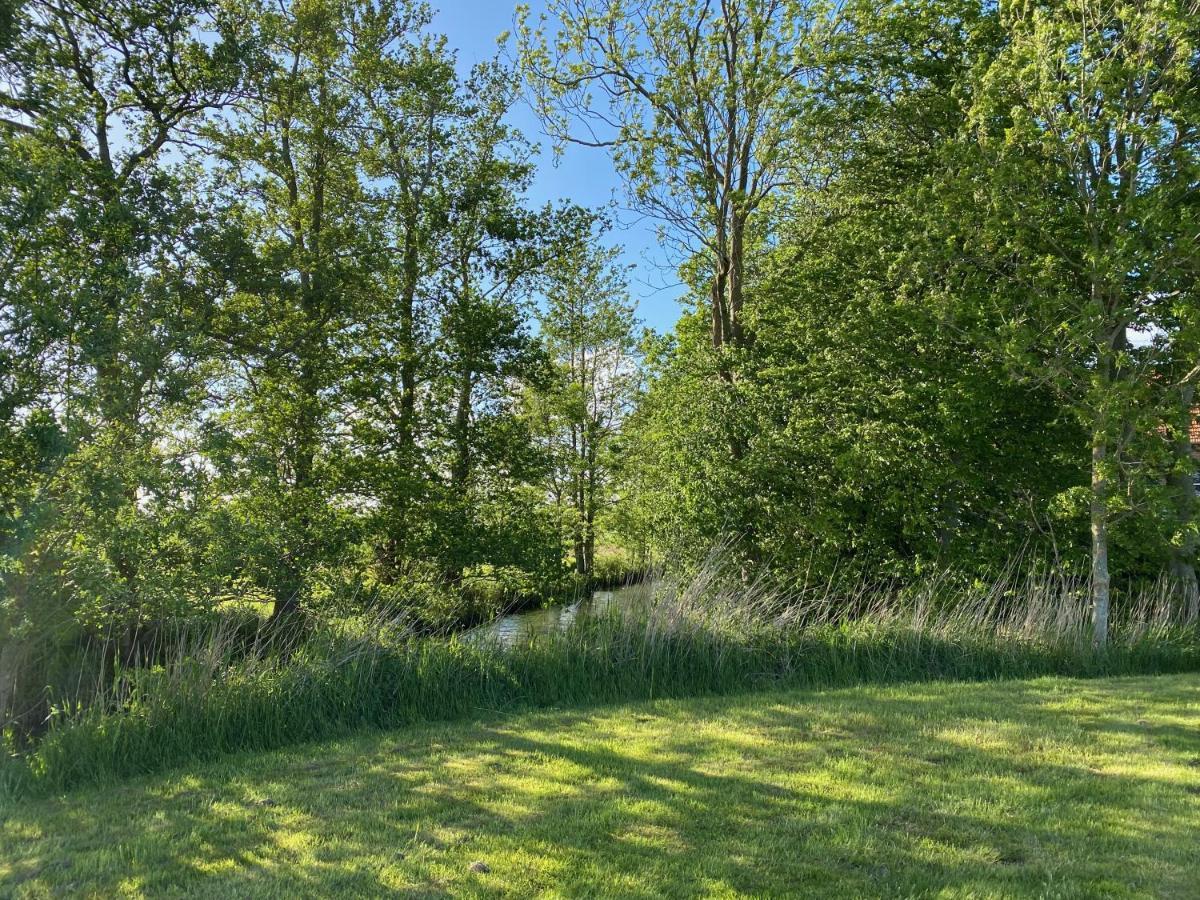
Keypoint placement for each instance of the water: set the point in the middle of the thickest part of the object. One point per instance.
(517, 628)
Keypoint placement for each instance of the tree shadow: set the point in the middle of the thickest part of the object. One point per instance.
(990, 789)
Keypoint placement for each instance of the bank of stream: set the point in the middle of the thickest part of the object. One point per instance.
(516, 628)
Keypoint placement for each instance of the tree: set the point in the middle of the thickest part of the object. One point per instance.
(292, 309)
(885, 434)
(97, 106)
(493, 250)
(587, 327)
(110, 91)
(415, 112)
(1181, 337)
(699, 102)
(445, 459)
(416, 148)
(1089, 124)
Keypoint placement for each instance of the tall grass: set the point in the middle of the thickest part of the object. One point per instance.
(213, 694)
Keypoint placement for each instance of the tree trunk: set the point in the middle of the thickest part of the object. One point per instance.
(13, 653)
(1107, 369)
(408, 349)
(461, 466)
(1099, 509)
(314, 289)
(589, 543)
(1183, 553)
(720, 317)
(1183, 578)
(737, 255)
(394, 549)
(589, 502)
(286, 603)
(581, 567)
(289, 590)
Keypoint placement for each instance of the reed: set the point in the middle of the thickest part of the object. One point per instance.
(209, 692)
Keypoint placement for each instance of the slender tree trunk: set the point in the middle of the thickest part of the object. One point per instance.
(1183, 553)
(579, 541)
(391, 555)
(580, 443)
(720, 318)
(460, 465)
(313, 290)
(726, 298)
(13, 654)
(589, 501)
(118, 394)
(581, 567)
(737, 255)
(1099, 510)
(589, 541)
(291, 583)
(1109, 374)
(408, 361)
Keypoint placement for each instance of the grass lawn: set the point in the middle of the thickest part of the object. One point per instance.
(1048, 788)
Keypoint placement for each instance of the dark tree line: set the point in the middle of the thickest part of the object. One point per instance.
(269, 292)
(278, 322)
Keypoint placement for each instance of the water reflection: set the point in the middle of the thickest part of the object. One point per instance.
(518, 628)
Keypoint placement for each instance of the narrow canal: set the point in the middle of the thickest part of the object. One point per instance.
(516, 628)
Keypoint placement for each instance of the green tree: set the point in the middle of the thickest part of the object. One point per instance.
(883, 435)
(102, 310)
(291, 169)
(701, 106)
(1089, 124)
(494, 247)
(417, 113)
(587, 327)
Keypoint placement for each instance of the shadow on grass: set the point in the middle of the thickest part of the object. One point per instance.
(601, 661)
(1016, 789)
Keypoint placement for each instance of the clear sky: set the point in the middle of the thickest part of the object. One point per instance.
(583, 174)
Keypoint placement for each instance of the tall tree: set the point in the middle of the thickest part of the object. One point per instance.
(416, 116)
(291, 167)
(98, 103)
(1090, 123)
(494, 247)
(112, 89)
(700, 104)
(1181, 335)
(587, 325)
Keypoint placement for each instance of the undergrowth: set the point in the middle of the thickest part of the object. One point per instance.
(710, 633)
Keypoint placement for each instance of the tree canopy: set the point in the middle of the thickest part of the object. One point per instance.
(280, 325)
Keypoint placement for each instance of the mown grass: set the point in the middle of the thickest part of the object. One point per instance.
(1036, 788)
(690, 641)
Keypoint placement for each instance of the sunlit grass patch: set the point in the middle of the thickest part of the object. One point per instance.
(708, 633)
(1023, 788)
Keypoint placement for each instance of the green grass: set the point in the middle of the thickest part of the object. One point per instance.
(1047, 788)
(201, 712)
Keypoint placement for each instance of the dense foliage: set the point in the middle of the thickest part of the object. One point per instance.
(963, 284)
(279, 327)
(268, 311)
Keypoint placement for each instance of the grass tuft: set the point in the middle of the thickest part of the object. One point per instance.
(709, 634)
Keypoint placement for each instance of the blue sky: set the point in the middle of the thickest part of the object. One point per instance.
(583, 174)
